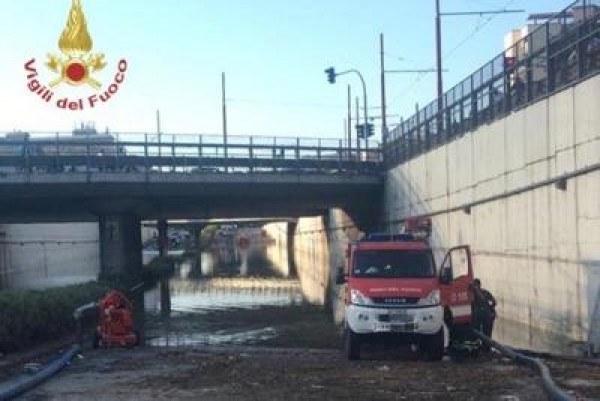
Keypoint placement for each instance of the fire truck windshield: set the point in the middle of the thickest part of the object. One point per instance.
(393, 264)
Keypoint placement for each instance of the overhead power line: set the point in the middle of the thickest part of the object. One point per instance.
(481, 24)
(280, 103)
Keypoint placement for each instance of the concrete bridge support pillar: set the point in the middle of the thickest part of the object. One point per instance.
(197, 233)
(163, 250)
(291, 231)
(121, 257)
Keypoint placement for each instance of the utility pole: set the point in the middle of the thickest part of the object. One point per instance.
(438, 39)
(224, 114)
(383, 115)
(158, 121)
(345, 128)
(158, 132)
(438, 53)
(357, 124)
(349, 120)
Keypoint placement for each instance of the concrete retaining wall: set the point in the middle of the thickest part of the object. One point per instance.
(311, 256)
(319, 249)
(275, 245)
(47, 255)
(538, 251)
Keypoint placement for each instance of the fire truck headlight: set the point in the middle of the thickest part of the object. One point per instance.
(357, 298)
(433, 298)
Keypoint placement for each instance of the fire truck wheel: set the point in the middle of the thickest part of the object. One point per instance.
(351, 345)
(434, 346)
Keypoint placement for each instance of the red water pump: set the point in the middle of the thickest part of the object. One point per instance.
(115, 325)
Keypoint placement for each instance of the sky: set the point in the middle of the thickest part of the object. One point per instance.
(273, 53)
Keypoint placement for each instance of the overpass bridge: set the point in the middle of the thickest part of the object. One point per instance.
(120, 180)
(79, 177)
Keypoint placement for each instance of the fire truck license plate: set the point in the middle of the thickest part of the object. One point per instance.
(403, 327)
(400, 317)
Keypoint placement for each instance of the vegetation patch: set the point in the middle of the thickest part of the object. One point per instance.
(29, 317)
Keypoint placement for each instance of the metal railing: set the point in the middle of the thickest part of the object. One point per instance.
(561, 52)
(167, 153)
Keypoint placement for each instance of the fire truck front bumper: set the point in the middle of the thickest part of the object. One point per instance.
(369, 320)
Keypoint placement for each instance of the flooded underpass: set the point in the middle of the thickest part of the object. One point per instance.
(226, 311)
(233, 296)
(238, 329)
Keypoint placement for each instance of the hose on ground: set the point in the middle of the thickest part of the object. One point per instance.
(554, 392)
(19, 385)
(139, 286)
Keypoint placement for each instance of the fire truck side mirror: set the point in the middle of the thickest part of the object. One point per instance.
(446, 275)
(340, 277)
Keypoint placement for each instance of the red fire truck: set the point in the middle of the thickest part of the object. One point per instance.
(394, 290)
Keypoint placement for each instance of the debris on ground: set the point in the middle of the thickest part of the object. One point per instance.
(32, 367)
(303, 362)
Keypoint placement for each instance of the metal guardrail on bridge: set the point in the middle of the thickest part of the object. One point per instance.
(86, 151)
(561, 52)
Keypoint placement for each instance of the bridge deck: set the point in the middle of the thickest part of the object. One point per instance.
(74, 178)
(109, 153)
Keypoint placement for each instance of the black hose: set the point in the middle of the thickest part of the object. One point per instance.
(554, 392)
(20, 385)
(139, 286)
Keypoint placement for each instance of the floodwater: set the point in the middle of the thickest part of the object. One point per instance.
(197, 298)
(200, 290)
(203, 296)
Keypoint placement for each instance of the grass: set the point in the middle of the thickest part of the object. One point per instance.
(29, 317)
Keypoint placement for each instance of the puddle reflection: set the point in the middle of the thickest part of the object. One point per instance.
(202, 300)
(193, 300)
(247, 337)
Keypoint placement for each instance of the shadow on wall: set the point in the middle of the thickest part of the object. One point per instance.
(310, 253)
(592, 271)
(274, 244)
(320, 245)
(338, 241)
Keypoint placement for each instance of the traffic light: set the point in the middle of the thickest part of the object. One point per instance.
(330, 75)
(370, 130)
(361, 133)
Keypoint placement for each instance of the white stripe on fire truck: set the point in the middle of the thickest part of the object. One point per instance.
(462, 310)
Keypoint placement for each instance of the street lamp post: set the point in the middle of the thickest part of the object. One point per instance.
(331, 75)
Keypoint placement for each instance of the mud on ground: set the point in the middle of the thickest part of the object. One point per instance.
(303, 362)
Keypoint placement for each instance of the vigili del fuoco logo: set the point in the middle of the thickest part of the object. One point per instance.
(77, 66)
